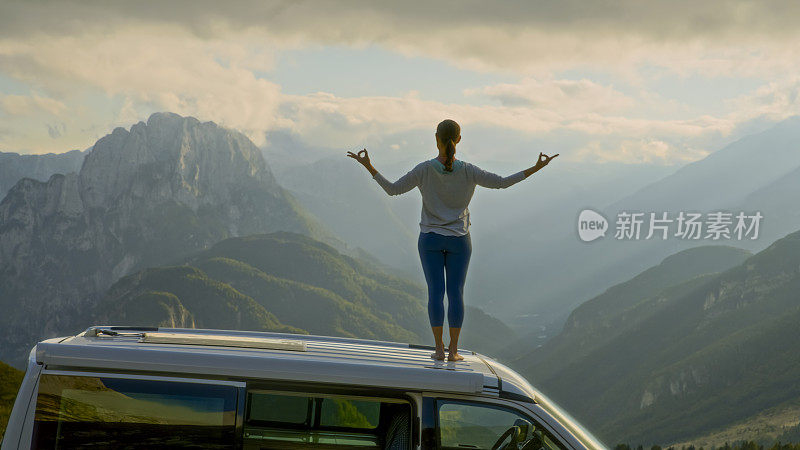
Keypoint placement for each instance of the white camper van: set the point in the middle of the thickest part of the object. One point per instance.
(128, 387)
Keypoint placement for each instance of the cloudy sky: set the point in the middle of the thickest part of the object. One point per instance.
(640, 82)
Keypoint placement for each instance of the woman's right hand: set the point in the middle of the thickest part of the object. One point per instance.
(363, 159)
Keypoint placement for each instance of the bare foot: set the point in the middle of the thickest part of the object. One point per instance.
(454, 356)
(438, 354)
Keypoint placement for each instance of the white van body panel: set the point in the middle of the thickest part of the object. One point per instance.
(318, 360)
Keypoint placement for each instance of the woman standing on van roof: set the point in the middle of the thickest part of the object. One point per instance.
(444, 243)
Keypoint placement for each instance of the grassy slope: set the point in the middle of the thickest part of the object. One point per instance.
(780, 423)
(10, 379)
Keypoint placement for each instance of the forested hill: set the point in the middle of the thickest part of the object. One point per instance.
(285, 282)
(677, 362)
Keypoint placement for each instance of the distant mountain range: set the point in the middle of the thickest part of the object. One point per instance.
(14, 167)
(680, 351)
(345, 198)
(551, 277)
(725, 177)
(145, 196)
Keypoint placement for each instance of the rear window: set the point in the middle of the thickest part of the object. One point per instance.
(107, 412)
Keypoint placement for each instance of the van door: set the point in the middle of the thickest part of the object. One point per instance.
(93, 410)
(463, 422)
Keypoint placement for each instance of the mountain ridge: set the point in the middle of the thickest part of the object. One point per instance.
(14, 166)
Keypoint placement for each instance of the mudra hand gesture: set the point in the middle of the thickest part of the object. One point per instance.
(362, 157)
(544, 159)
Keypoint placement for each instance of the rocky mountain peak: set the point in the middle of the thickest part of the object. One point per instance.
(171, 156)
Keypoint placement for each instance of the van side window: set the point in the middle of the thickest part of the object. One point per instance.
(101, 412)
(361, 414)
(464, 424)
(314, 420)
(280, 410)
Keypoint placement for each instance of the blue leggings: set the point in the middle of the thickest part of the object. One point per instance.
(440, 254)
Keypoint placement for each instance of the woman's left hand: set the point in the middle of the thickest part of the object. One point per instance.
(544, 159)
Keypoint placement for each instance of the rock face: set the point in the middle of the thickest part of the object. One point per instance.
(14, 167)
(144, 196)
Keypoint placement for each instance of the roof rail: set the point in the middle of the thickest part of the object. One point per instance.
(221, 338)
(129, 331)
(117, 331)
(224, 341)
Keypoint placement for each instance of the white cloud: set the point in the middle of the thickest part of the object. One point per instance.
(774, 101)
(394, 114)
(329, 121)
(566, 97)
(152, 68)
(26, 105)
(640, 151)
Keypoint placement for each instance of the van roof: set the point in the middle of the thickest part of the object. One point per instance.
(281, 356)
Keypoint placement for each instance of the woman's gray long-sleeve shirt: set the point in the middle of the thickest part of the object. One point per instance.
(446, 195)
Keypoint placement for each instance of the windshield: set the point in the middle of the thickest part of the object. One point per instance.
(586, 438)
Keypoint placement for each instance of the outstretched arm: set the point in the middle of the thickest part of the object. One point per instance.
(404, 184)
(494, 181)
